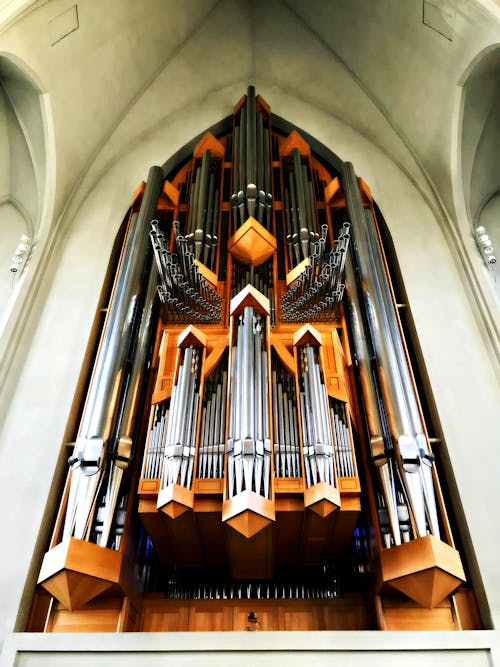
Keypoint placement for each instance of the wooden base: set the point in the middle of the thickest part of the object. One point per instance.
(322, 499)
(76, 571)
(425, 569)
(248, 513)
(174, 500)
(351, 612)
(252, 243)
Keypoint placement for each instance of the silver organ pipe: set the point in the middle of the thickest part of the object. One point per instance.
(252, 181)
(319, 289)
(316, 428)
(156, 443)
(285, 425)
(391, 360)
(249, 448)
(183, 290)
(416, 426)
(343, 446)
(380, 446)
(124, 447)
(108, 379)
(180, 436)
(213, 426)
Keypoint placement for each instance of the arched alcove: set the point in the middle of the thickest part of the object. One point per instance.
(22, 182)
(480, 147)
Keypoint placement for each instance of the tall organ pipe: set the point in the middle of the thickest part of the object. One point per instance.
(123, 450)
(426, 457)
(107, 382)
(371, 398)
(380, 311)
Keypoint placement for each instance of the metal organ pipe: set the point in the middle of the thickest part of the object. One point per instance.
(249, 446)
(318, 443)
(181, 429)
(319, 288)
(123, 449)
(380, 448)
(108, 379)
(252, 187)
(389, 351)
(412, 411)
(213, 426)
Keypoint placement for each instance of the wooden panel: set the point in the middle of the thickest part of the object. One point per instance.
(154, 523)
(466, 609)
(288, 528)
(39, 610)
(250, 558)
(160, 615)
(173, 620)
(298, 615)
(203, 617)
(97, 616)
(404, 614)
(266, 617)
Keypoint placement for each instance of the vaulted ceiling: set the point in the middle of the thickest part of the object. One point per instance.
(393, 71)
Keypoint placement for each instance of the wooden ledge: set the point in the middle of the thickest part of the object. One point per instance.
(307, 335)
(76, 571)
(322, 499)
(425, 569)
(252, 243)
(191, 336)
(174, 500)
(249, 296)
(248, 513)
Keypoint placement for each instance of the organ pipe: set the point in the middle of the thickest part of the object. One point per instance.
(398, 394)
(108, 383)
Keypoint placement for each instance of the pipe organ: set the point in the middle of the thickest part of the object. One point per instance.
(252, 429)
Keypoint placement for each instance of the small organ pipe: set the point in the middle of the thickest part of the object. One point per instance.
(318, 445)
(181, 430)
(184, 291)
(316, 294)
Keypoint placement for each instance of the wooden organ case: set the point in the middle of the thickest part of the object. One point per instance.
(252, 453)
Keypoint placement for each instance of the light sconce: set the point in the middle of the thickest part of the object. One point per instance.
(20, 255)
(485, 246)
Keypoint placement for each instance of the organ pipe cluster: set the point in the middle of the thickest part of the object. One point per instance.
(180, 438)
(252, 176)
(400, 449)
(300, 214)
(184, 291)
(213, 426)
(343, 446)
(249, 445)
(258, 276)
(325, 585)
(286, 443)
(105, 443)
(203, 214)
(316, 429)
(319, 289)
(156, 442)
